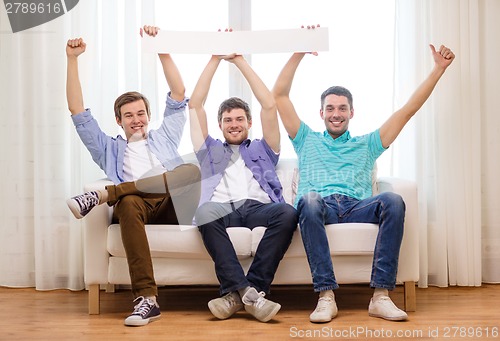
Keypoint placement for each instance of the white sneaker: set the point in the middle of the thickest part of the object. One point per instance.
(81, 204)
(144, 312)
(325, 311)
(383, 307)
(224, 307)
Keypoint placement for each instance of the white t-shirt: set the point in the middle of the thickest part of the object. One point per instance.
(139, 162)
(238, 182)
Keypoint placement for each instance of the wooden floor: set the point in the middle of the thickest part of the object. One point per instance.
(455, 313)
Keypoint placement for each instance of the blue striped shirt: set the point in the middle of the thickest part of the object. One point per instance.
(336, 166)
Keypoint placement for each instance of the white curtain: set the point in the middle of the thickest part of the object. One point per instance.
(490, 139)
(454, 137)
(43, 161)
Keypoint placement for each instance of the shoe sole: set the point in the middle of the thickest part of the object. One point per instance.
(139, 323)
(322, 321)
(268, 316)
(220, 314)
(74, 209)
(396, 318)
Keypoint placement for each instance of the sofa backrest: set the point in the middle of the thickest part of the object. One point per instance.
(288, 175)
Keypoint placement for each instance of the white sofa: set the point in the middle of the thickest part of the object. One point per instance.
(180, 258)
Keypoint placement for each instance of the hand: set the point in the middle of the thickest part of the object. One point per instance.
(230, 57)
(75, 47)
(311, 27)
(150, 30)
(443, 57)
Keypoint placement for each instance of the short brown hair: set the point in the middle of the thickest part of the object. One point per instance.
(130, 97)
(234, 103)
(338, 91)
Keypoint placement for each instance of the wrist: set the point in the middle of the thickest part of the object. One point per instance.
(72, 57)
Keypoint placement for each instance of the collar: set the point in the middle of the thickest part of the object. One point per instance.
(244, 143)
(341, 139)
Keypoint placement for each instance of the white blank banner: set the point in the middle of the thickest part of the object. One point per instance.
(240, 42)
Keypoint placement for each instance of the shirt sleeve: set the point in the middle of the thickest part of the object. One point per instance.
(206, 149)
(174, 119)
(270, 152)
(301, 136)
(94, 139)
(375, 143)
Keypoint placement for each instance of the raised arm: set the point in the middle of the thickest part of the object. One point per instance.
(281, 93)
(74, 95)
(393, 126)
(172, 74)
(268, 113)
(197, 114)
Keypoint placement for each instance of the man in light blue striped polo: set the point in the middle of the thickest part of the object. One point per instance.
(335, 184)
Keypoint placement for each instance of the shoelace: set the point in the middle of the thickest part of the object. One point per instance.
(261, 300)
(383, 299)
(323, 303)
(230, 301)
(387, 303)
(87, 200)
(143, 307)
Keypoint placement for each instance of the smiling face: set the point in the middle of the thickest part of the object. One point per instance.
(134, 120)
(336, 113)
(235, 126)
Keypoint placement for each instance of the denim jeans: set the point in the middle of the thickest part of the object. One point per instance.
(386, 209)
(213, 218)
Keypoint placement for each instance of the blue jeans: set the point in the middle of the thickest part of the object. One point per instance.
(213, 219)
(386, 209)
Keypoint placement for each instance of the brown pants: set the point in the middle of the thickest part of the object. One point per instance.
(169, 198)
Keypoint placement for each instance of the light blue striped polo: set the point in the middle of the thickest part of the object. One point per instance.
(343, 165)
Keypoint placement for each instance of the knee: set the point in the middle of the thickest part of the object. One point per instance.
(393, 201)
(311, 202)
(201, 212)
(193, 171)
(205, 214)
(184, 177)
(289, 214)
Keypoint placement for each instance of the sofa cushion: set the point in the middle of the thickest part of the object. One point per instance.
(174, 241)
(344, 239)
(180, 241)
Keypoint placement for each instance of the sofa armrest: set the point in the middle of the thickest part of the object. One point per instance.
(96, 224)
(97, 184)
(408, 269)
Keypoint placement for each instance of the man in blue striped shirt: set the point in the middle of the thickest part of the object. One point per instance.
(335, 184)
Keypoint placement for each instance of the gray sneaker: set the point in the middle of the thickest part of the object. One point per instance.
(259, 307)
(83, 203)
(224, 307)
